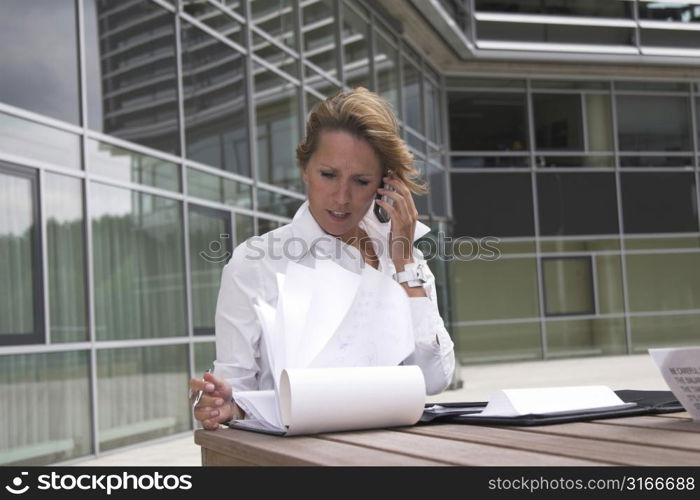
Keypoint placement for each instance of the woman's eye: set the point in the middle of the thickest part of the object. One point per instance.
(362, 182)
(328, 175)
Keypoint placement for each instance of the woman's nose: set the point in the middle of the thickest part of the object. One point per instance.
(344, 193)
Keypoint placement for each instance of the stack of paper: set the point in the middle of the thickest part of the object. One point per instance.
(334, 340)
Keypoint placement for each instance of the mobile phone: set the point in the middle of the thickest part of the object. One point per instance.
(382, 214)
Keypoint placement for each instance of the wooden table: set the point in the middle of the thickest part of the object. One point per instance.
(670, 439)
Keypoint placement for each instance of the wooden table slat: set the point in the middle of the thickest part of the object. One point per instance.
(257, 448)
(656, 423)
(452, 452)
(585, 446)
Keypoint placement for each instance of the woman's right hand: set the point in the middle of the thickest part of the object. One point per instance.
(216, 404)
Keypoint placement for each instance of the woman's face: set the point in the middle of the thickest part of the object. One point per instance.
(342, 178)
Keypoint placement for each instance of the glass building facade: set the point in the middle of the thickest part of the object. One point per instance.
(142, 140)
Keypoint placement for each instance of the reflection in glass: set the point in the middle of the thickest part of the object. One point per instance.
(20, 276)
(548, 161)
(386, 63)
(669, 11)
(558, 121)
(277, 113)
(138, 265)
(275, 56)
(577, 203)
(131, 73)
(276, 18)
(39, 59)
(492, 205)
(461, 161)
(587, 337)
(140, 394)
(48, 420)
(216, 19)
(568, 286)
(63, 202)
(128, 166)
(639, 127)
(319, 28)
(663, 282)
(215, 188)
(39, 142)
(609, 284)
(210, 249)
(438, 190)
(659, 202)
(487, 121)
(355, 37)
(655, 161)
(216, 129)
(277, 203)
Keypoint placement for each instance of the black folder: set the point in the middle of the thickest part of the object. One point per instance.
(646, 403)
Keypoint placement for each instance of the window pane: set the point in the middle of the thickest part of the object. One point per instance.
(588, 337)
(412, 96)
(581, 203)
(131, 73)
(63, 202)
(460, 161)
(663, 282)
(488, 343)
(277, 112)
(20, 275)
(129, 166)
(433, 111)
(39, 142)
(591, 8)
(569, 161)
(678, 330)
(386, 62)
(355, 36)
(485, 121)
(558, 121)
(204, 356)
(216, 120)
(659, 202)
(568, 286)
(276, 18)
(277, 203)
(507, 289)
(215, 188)
(669, 11)
(48, 420)
(244, 228)
(655, 161)
(138, 265)
(492, 205)
(139, 391)
(210, 249)
(39, 59)
(438, 190)
(267, 225)
(275, 56)
(319, 29)
(641, 130)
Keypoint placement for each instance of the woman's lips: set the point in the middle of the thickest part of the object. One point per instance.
(338, 216)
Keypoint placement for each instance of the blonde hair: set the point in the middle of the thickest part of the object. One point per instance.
(367, 116)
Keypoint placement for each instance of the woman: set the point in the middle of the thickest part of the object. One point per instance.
(351, 151)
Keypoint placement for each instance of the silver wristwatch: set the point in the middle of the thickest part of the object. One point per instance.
(413, 274)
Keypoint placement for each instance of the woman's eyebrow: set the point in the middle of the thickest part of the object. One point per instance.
(334, 169)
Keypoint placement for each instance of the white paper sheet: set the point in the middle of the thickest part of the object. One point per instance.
(317, 400)
(680, 368)
(333, 291)
(551, 401)
(376, 331)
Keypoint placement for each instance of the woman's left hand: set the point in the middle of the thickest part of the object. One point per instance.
(404, 215)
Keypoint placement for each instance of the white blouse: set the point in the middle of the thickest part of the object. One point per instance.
(252, 270)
